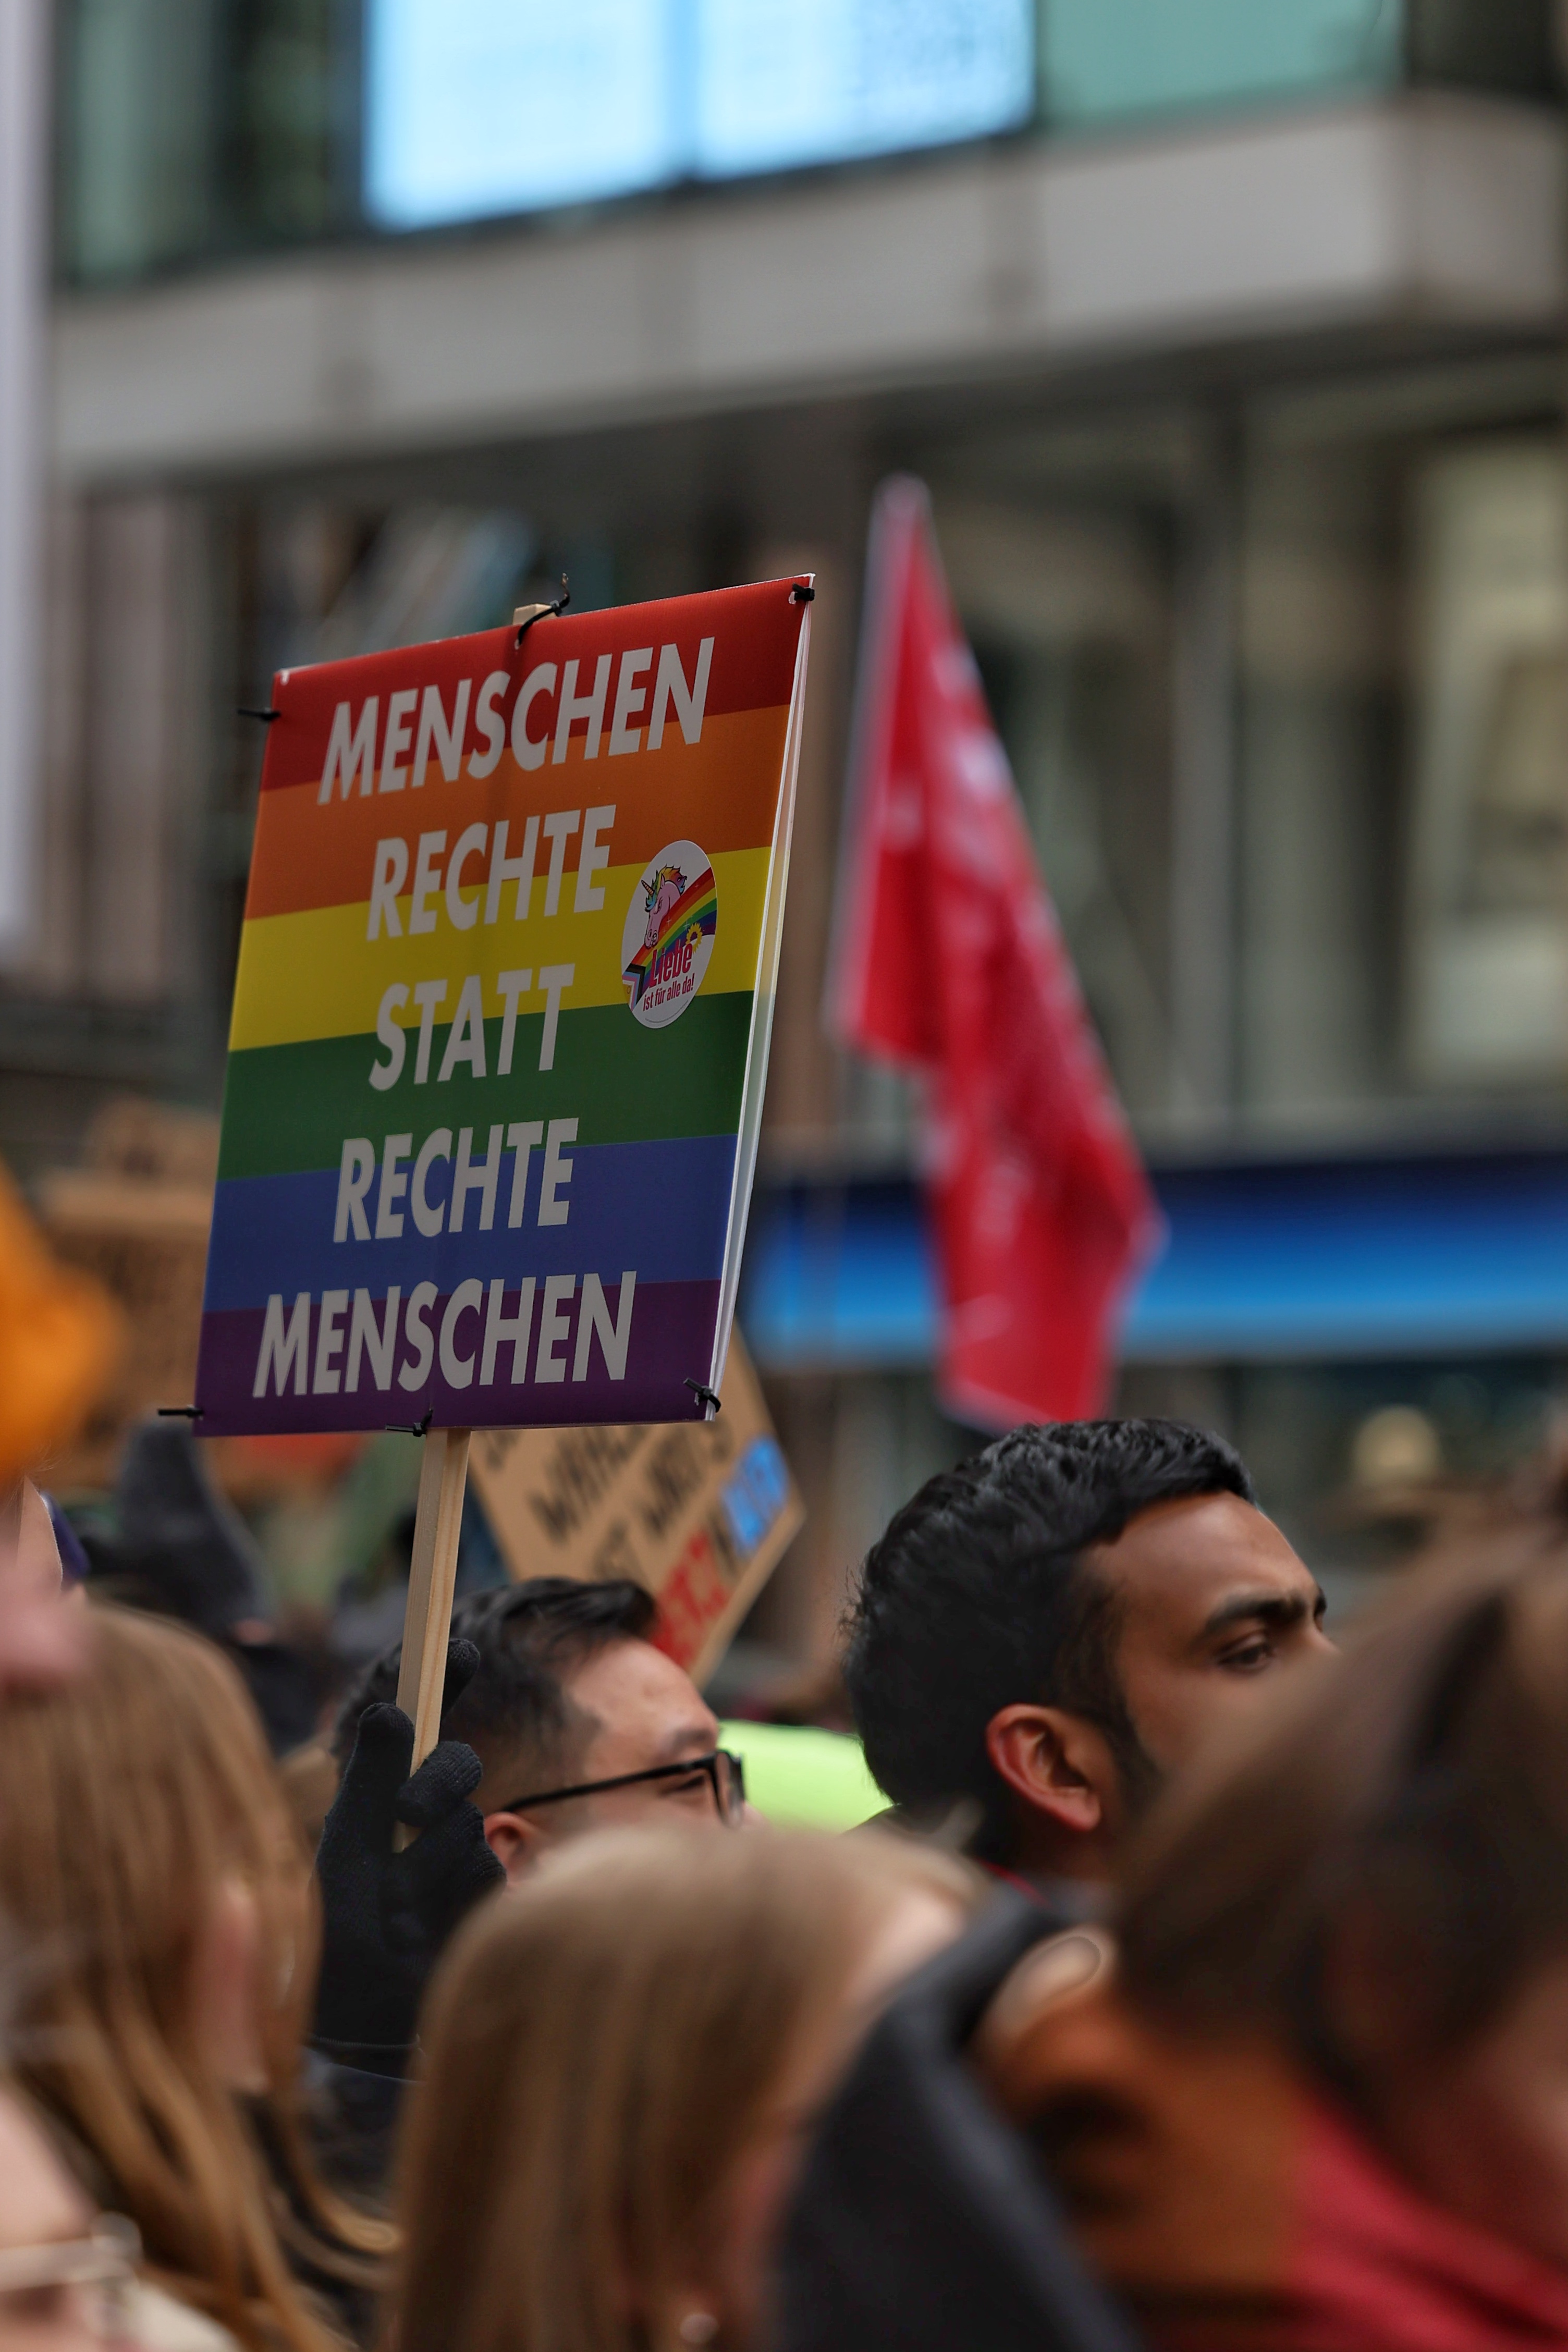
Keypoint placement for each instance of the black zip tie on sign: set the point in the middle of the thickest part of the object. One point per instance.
(801, 594)
(243, 710)
(181, 1413)
(525, 615)
(411, 1428)
(705, 1395)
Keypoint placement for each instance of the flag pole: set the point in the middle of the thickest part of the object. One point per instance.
(432, 1572)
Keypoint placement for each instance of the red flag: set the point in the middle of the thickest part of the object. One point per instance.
(949, 960)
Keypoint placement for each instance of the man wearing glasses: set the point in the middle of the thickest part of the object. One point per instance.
(579, 1722)
(576, 1719)
(560, 1718)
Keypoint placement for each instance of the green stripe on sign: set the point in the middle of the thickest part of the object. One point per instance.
(287, 1108)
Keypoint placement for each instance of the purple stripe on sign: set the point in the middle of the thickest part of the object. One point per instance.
(603, 1358)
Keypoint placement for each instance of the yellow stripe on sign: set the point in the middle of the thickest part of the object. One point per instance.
(315, 974)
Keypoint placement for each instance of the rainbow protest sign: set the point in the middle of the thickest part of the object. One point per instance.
(500, 1023)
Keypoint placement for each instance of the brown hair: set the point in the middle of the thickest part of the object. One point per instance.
(130, 1796)
(1405, 1815)
(599, 2046)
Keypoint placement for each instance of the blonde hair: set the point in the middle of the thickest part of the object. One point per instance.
(600, 2044)
(129, 1796)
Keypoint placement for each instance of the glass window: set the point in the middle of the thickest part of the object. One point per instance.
(1390, 928)
(495, 110)
(788, 82)
(139, 80)
(190, 129)
(1062, 550)
(1503, 45)
(1403, 751)
(196, 127)
(1488, 888)
(1102, 59)
(1318, 733)
(288, 140)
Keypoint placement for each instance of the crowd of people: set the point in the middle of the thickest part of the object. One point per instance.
(1204, 1988)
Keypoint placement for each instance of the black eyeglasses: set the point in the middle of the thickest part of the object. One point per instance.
(723, 1771)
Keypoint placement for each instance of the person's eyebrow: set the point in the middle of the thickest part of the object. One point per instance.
(1279, 1609)
(700, 1737)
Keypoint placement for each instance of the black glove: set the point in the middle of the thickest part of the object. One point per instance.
(385, 1916)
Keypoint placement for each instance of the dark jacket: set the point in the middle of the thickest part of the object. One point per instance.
(921, 2223)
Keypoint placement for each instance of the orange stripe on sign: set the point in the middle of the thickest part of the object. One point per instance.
(721, 792)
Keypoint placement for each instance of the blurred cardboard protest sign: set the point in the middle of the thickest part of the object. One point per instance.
(136, 1215)
(701, 1512)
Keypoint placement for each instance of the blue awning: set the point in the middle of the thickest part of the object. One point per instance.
(1265, 1262)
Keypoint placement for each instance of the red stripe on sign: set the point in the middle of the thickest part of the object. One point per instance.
(754, 633)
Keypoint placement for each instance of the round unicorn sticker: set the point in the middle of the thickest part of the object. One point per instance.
(668, 936)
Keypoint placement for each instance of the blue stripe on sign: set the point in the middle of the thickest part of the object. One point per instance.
(659, 1208)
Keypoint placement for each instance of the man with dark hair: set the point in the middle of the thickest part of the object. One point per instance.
(1044, 1632)
(559, 1716)
(576, 1718)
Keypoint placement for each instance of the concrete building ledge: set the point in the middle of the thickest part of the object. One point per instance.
(1427, 207)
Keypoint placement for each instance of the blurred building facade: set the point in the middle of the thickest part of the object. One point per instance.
(1230, 342)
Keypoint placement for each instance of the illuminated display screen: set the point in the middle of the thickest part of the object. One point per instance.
(481, 107)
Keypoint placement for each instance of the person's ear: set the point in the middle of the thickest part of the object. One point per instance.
(516, 1842)
(226, 1990)
(1057, 1762)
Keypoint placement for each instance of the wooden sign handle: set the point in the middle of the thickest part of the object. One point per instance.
(426, 1627)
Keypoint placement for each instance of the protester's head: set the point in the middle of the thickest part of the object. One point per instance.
(181, 1549)
(1380, 1879)
(1049, 1630)
(623, 2059)
(569, 1693)
(148, 1867)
